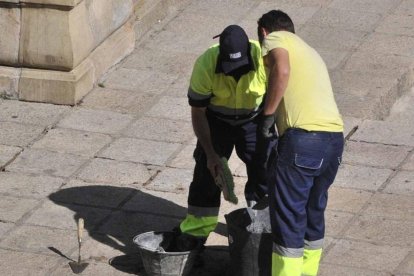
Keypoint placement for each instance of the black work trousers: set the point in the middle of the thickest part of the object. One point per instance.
(250, 148)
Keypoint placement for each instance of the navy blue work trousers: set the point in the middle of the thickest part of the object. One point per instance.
(300, 173)
(250, 148)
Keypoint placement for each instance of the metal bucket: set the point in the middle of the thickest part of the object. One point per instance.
(157, 260)
(250, 242)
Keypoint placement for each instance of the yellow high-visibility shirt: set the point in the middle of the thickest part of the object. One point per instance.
(222, 94)
(308, 102)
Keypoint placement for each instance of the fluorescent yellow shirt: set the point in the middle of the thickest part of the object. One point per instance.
(308, 102)
(223, 95)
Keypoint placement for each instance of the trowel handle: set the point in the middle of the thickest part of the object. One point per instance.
(80, 229)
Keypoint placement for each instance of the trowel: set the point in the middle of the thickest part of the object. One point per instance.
(78, 267)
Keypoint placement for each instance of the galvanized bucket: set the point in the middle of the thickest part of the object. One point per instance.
(159, 262)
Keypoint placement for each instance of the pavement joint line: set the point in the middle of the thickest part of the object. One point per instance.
(3, 167)
(379, 143)
(367, 165)
(22, 219)
(405, 260)
(396, 171)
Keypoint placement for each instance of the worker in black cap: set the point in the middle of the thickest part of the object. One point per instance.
(226, 92)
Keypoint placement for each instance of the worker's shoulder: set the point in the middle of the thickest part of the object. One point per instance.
(207, 59)
(255, 43)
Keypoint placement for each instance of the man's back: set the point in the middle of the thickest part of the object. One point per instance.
(309, 101)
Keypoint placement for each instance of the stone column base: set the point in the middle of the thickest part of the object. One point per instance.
(59, 87)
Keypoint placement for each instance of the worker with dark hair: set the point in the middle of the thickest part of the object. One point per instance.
(226, 92)
(310, 147)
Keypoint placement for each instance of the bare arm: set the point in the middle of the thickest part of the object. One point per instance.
(202, 131)
(278, 64)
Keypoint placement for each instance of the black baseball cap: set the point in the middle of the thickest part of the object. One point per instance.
(234, 49)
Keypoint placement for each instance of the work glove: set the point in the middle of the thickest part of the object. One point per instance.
(224, 180)
(265, 125)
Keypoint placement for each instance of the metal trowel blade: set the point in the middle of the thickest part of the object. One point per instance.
(77, 268)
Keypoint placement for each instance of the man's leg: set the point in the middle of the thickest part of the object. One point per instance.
(315, 209)
(300, 158)
(204, 195)
(254, 152)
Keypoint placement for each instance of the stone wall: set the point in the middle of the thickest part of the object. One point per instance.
(55, 50)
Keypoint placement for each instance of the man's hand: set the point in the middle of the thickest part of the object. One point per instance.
(214, 164)
(265, 125)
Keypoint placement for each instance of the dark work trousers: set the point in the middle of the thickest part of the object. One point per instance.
(300, 174)
(250, 148)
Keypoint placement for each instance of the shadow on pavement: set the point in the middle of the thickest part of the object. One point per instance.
(115, 215)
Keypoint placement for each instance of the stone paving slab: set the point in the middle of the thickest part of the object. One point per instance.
(30, 186)
(96, 121)
(92, 269)
(385, 133)
(391, 206)
(72, 142)
(161, 61)
(171, 108)
(91, 194)
(378, 6)
(333, 58)
(139, 80)
(14, 208)
(336, 222)
(37, 239)
(299, 13)
(171, 180)
(389, 43)
(384, 156)
(112, 171)
(360, 177)
(34, 264)
(397, 24)
(141, 151)
(161, 129)
(406, 7)
(7, 154)
(338, 270)
(351, 20)
(28, 113)
(360, 254)
(187, 37)
(64, 216)
(379, 64)
(184, 159)
(348, 200)
(402, 183)
(179, 88)
(321, 37)
(359, 83)
(379, 230)
(5, 227)
(131, 102)
(407, 266)
(46, 162)
(14, 134)
(409, 163)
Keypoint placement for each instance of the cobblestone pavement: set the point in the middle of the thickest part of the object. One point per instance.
(122, 158)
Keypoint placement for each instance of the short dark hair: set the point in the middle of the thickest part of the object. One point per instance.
(275, 20)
